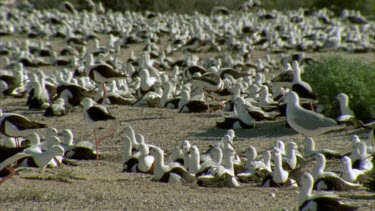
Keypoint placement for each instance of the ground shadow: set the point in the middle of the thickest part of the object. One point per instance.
(263, 129)
(145, 119)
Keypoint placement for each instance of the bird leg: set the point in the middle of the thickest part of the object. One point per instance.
(99, 140)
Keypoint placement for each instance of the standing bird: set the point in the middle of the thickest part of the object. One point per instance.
(102, 73)
(98, 116)
(307, 122)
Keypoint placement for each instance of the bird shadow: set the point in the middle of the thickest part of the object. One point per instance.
(262, 129)
(145, 119)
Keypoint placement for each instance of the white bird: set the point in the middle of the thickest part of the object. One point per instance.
(349, 174)
(279, 177)
(346, 113)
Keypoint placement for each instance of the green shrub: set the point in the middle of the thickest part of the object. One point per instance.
(333, 75)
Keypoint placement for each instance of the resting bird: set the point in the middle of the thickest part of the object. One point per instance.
(320, 201)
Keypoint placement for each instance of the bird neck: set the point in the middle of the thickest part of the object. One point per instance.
(194, 163)
(159, 163)
(318, 169)
(228, 157)
(43, 159)
(305, 192)
(68, 139)
(127, 149)
(297, 75)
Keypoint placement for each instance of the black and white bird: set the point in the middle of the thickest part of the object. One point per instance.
(324, 180)
(57, 108)
(278, 177)
(103, 73)
(188, 105)
(311, 151)
(319, 201)
(33, 158)
(97, 116)
(16, 125)
(168, 173)
(220, 175)
(82, 150)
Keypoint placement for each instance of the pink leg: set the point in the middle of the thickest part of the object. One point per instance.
(99, 140)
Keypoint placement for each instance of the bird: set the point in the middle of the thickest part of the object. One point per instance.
(57, 108)
(168, 173)
(255, 169)
(72, 94)
(31, 158)
(82, 150)
(8, 151)
(98, 116)
(102, 73)
(360, 158)
(349, 174)
(145, 161)
(328, 180)
(187, 105)
(278, 177)
(346, 114)
(220, 175)
(310, 151)
(240, 118)
(16, 125)
(307, 122)
(130, 156)
(167, 100)
(321, 200)
(302, 88)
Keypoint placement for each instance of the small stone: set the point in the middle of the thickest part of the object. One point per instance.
(272, 195)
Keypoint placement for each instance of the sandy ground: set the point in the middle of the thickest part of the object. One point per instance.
(104, 187)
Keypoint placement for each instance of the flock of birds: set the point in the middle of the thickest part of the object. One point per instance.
(246, 91)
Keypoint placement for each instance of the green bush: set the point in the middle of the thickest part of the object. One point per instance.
(333, 75)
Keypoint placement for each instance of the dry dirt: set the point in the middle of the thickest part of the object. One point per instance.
(104, 187)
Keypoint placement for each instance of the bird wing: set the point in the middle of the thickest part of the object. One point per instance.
(23, 123)
(98, 114)
(311, 120)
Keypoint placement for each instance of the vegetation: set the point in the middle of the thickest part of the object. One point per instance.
(333, 75)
